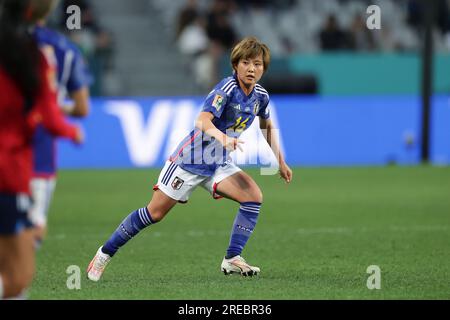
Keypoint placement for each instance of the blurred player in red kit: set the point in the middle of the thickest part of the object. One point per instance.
(27, 99)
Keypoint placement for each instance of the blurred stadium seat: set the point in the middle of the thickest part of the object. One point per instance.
(124, 66)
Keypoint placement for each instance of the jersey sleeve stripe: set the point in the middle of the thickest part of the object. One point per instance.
(227, 84)
(260, 88)
(262, 92)
(228, 91)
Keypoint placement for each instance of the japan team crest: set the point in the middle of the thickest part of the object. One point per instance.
(256, 107)
(177, 183)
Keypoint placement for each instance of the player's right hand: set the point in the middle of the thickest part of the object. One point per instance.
(231, 144)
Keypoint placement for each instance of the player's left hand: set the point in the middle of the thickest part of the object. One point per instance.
(286, 173)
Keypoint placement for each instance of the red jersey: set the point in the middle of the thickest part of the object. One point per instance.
(16, 128)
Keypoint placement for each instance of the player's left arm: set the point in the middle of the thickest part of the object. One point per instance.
(270, 133)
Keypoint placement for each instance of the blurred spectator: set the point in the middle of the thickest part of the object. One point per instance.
(332, 37)
(95, 43)
(204, 69)
(193, 40)
(414, 13)
(443, 16)
(248, 4)
(293, 26)
(287, 45)
(395, 38)
(221, 34)
(305, 17)
(193, 43)
(219, 27)
(361, 38)
(187, 16)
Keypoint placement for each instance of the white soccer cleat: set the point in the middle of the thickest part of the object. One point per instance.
(98, 265)
(238, 265)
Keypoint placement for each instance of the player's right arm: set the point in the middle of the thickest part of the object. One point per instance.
(213, 107)
(205, 124)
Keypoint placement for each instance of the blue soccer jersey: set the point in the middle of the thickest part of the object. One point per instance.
(72, 75)
(233, 112)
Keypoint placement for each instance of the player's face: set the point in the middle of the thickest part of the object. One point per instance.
(249, 71)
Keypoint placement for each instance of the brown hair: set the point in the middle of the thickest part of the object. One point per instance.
(248, 48)
(19, 53)
(40, 9)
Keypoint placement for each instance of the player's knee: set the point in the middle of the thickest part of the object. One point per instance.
(159, 206)
(157, 215)
(256, 196)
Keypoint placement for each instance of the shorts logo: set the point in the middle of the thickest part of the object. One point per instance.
(217, 102)
(177, 183)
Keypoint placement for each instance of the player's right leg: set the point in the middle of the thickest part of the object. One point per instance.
(135, 222)
(170, 189)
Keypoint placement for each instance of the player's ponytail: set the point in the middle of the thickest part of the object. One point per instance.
(19, 53)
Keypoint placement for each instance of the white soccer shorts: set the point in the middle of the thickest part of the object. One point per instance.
(178, 183)
(42, 192)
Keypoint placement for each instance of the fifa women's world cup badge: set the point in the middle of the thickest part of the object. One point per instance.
(218, 102)
(177, 183)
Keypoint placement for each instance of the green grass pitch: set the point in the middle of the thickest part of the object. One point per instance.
(314, 238)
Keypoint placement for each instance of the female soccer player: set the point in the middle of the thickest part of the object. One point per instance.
(27, 98)
(202, 159)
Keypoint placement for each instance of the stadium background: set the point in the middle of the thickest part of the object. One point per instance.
(348, 101)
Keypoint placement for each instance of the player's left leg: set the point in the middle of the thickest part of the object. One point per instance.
(17, 267)
(16, 246)
(234, 184)
(239, 187)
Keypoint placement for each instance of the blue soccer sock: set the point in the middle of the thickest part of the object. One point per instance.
(243, 227)
(129, 227)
